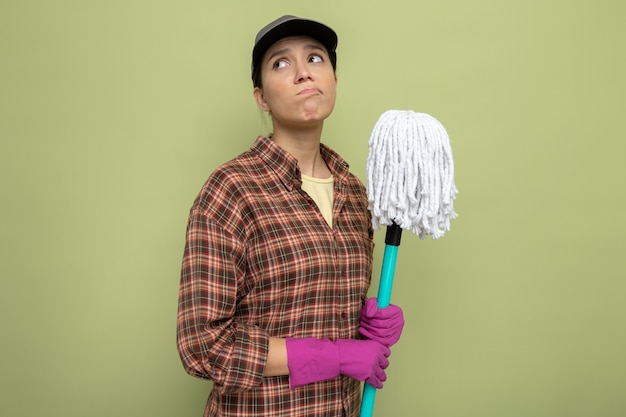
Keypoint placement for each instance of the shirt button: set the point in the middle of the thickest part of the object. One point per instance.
(344, 315)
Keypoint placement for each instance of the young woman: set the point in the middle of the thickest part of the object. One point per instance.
(278, 255)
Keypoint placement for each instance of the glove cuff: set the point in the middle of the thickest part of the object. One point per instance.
(311, 360)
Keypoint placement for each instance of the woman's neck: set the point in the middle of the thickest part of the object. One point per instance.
(304, 145)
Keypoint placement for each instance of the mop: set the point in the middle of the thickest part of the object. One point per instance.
(410, 185)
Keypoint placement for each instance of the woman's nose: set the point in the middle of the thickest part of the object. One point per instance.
(303, 73)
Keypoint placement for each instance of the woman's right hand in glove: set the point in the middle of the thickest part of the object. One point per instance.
(312, 360)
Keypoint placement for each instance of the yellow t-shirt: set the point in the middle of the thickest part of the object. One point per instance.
(321, 191)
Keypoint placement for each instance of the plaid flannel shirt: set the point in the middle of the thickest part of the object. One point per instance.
(260, 261)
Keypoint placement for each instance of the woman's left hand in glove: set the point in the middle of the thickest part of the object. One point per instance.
(381, 324)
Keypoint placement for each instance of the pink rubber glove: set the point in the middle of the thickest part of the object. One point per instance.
(383, 325)
(312, 360)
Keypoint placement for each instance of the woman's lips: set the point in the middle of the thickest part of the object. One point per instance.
(309, 91)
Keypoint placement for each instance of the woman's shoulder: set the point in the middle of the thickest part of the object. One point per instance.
(229, 174)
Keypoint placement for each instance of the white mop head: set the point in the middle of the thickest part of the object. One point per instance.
(410, 174)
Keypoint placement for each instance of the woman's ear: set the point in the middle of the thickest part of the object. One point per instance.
(260, 99)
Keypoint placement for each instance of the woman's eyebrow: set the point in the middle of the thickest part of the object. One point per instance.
(313, 46)
(276, 53)
(285, 50)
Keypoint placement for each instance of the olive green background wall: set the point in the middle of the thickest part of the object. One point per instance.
(113, 113)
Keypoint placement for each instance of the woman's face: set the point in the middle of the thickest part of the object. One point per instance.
(299, 83)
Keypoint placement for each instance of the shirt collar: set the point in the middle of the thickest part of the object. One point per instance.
(286, 166)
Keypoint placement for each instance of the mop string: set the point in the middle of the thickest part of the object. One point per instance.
(410, 174)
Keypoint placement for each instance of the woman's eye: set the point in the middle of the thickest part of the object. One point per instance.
(281, 63)
(316, 58)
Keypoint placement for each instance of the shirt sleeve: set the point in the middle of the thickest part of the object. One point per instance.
(211, 342)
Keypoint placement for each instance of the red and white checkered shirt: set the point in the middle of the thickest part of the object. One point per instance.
(260, 261)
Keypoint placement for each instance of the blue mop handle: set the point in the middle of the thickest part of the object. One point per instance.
(392, 241)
